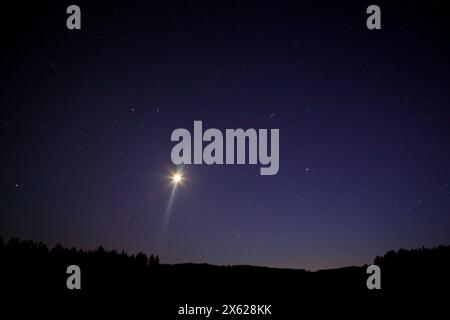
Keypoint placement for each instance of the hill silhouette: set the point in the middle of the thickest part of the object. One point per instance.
(29, 266)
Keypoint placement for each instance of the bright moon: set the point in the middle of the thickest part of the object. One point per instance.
(177, 178)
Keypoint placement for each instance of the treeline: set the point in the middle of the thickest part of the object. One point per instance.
(15, 248)
(28, 265)
(430, 256)
(426, 268)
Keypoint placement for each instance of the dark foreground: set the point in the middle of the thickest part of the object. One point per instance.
(30, 272)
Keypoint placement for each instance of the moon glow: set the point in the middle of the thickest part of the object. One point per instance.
(177, 178)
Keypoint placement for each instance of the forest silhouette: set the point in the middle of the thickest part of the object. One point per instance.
(32, 269)
(35, 263)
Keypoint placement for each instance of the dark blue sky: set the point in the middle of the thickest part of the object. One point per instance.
(364, 119)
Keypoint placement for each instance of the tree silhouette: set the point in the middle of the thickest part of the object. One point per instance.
(28, 264)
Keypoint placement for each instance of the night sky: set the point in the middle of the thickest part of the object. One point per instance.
(364, 119)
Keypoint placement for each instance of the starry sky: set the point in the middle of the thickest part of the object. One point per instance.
(364, 118)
